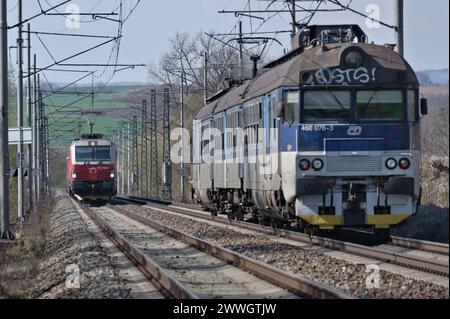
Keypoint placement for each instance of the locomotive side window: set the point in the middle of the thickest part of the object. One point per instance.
(260, 116)
(204, 141)
(327, 106)
(412, 106)
(387, 105)
(251, 123)
(291, 106)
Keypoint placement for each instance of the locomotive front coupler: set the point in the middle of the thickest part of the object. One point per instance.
(328, 210)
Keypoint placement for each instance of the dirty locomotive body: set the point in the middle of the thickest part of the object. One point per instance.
(326, 136)
(91, 168)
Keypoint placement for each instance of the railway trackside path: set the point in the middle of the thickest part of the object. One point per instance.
(76, 265)
(69, 263)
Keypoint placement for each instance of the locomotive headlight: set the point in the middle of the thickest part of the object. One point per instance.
(354, 59)
(404, 163)
(391, 163)
(74, 174)
(305, 165)
(112, 175)
(317, 164)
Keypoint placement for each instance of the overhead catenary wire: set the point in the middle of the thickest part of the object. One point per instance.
(102, 76)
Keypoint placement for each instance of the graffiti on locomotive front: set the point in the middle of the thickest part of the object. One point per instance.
(361, 75)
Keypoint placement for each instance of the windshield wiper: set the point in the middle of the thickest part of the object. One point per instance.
(371, 99)
(337, 100)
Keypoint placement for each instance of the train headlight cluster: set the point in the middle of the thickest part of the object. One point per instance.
(305, 165)
(112, 175)
(74, 174)
(391, 163)
(317, 164)
(404, 163)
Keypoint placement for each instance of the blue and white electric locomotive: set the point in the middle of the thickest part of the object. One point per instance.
(328, 136)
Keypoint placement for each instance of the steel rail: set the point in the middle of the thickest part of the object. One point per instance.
(168, 285)
(404, 242)
(295, 284)
(431, 266)
(424, 245)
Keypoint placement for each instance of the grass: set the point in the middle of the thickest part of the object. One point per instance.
(110, 99)
(75, 125)
(19, 262)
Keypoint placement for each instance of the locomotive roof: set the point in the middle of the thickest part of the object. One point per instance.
(288, 73)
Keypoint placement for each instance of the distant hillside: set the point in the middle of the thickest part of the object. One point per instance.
(433, 77)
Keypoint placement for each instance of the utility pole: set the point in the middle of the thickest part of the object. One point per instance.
(129, 166)
(167, 165)
(205, 77)
(35, 133)
(4, 151)
(47, 157)
(135, 156)
(294, 19)
(29, 122)
(39, 140)
(241, 52)
(145, 145)
(119, 161)
(154, 160)
(182, 137)
(41, 144)
(399, 27)
(123, 162)
(20, 157)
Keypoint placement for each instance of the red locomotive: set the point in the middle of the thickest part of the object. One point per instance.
(91, 168)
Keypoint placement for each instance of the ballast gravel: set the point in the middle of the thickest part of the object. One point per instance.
(75, 265)
(356, 279)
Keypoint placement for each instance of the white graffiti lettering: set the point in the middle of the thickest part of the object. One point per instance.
(338, 76)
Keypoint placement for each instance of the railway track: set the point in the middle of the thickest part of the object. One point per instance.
(409, 243)
(423, 245)
(170, 287)
(430, 265)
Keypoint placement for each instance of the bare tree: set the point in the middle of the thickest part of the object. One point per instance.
(186, 55)
(436, 131)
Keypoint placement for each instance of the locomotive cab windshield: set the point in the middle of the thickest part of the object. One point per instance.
(93, 154)
(340, 106)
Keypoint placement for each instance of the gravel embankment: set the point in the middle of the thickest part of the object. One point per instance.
(346, 276)
(431, 223)
(70, 246)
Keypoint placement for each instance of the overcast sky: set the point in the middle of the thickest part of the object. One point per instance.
(147, 31)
